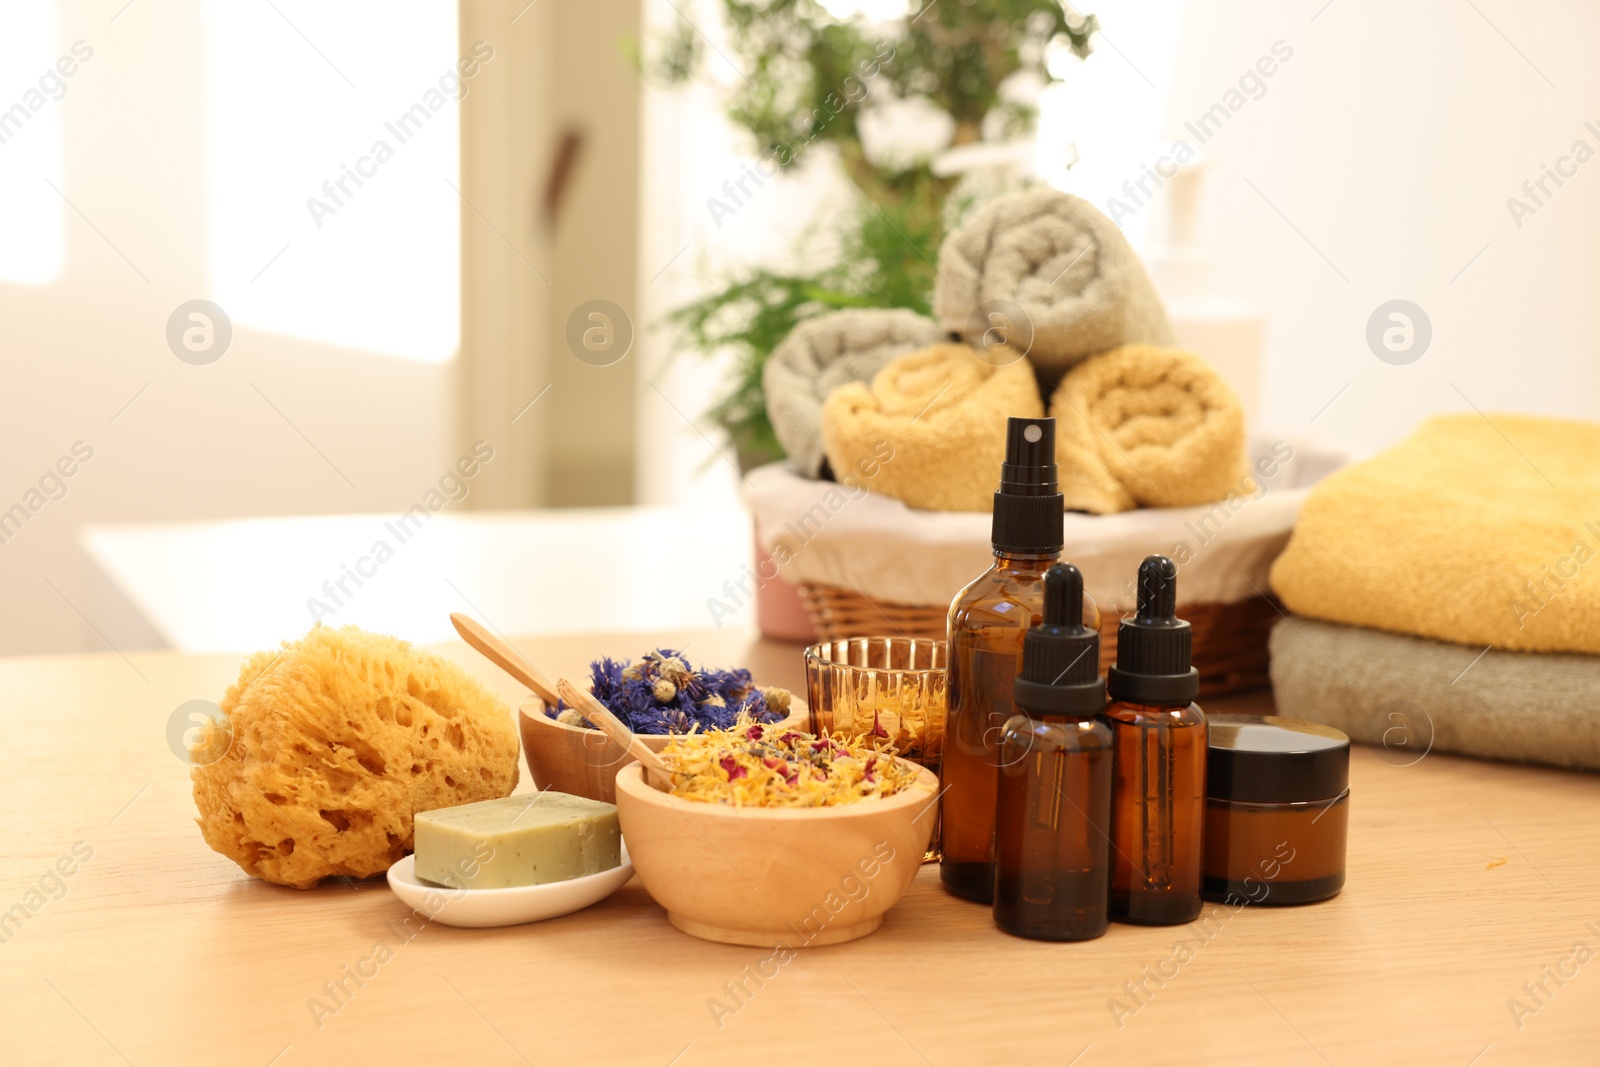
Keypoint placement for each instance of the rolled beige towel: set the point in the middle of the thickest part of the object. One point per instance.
(931, 429)
(1142, 426)
(1064, 264)
(823, 353)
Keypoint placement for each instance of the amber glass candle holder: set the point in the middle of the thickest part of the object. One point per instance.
(894, 689)
(889, 688)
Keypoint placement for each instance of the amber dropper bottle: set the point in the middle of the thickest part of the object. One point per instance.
(1158, 796)
(1053, 812)
(986, 625)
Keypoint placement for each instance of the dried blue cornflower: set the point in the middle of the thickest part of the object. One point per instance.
(663, 693)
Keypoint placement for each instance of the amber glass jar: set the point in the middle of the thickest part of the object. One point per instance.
(1277, 810)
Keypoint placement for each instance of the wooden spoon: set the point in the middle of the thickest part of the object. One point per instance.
(656, 769)
(505, 657)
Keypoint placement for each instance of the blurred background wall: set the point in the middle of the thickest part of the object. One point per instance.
(1378, 166)
(178, 161)
(430, 307)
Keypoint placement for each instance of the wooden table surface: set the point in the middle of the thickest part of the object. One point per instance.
(1466, 880)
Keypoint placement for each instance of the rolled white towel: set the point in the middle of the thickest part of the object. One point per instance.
(1064, 264)
(823, 353)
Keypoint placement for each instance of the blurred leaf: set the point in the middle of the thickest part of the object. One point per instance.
(805, 78)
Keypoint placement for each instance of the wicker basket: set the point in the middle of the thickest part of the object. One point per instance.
(1230, 640)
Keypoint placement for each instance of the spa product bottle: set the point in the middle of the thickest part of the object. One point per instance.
(1053, 809)
(987, 622)
(1159, 735)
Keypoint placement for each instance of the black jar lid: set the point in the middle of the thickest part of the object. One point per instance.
(1267, 759)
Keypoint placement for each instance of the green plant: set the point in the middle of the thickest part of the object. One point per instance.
(806, 77)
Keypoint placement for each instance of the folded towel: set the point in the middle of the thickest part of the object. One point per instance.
(1412, 695)
(1475, 531)
(1064, 264)
(931, 430)
(1142, 426)
(823, 353)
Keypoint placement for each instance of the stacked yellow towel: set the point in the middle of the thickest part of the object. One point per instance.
(932, 426)
(1478, 530)
(1145, 426)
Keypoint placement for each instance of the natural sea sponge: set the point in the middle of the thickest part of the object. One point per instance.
(338, 740)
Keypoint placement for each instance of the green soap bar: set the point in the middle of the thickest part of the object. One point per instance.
(522, 840)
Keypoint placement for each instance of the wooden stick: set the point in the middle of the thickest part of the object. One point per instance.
(656, 769)
(502, 655)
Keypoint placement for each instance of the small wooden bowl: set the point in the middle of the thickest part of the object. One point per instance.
(776, 877)
(570, 759)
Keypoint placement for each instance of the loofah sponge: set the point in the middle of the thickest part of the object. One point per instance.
(338, 740)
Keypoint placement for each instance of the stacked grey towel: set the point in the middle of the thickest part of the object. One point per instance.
(1412, 695)
(826, 352)
(1059, 260)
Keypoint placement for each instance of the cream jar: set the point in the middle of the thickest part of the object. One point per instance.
(1277, 810)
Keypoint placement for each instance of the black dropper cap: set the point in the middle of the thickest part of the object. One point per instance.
(1153, 648)
(1061, 656)
(1028, 509)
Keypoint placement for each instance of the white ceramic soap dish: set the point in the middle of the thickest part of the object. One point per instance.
(504, 907)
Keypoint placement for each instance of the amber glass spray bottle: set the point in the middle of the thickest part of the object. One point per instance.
(987, 622)
(1158, 795)
(1053, 811)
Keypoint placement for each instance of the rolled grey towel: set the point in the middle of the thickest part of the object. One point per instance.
(1413, 695)
(1064, 264)
(823, 353)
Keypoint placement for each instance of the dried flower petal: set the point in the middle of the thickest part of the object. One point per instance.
(752, 765)
(662, 693)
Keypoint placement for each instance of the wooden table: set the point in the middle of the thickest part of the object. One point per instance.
(1466, 880)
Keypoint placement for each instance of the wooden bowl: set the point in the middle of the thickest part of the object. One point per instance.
(776, 877)
(570, 759)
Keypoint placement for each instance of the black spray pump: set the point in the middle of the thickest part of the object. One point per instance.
(1153, 647)
(1061, 656)
(1028, 508)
